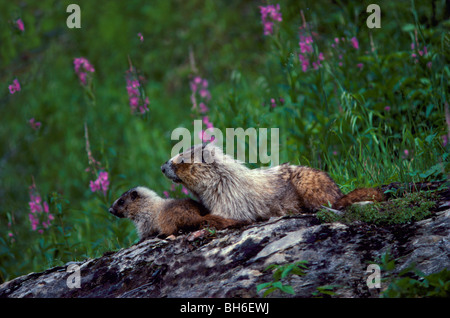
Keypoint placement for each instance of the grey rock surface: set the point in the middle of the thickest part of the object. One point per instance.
(232, 263)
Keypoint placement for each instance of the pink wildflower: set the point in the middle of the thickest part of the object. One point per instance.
(102, 183)
(20, 25)
(360, 65)
(140, 36)
(33, 124)
(82, 68)
(137, 101)
(269, 15)
(199, 87)
(306, 49)
(273, 104)
(355, 43)
(174, 189)
(444, 140)
(14, 87)
(422, 52)
(36, 216)
(204, 135)
(207, 122)
(203, 108)
(387, 108)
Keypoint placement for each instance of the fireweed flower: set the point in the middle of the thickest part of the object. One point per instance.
(199, 89)
(19, 25)
(273, 103)
(35, 125)
(39, 216)
(83, 69)
(417, 51)
(175, 192)
(269, 15)
(444, 140)
(137, 102)
(102, 183)
(14, 87)
(306, 54)
(140, 36)
(355, 43)
(340, 49)
(205, 135)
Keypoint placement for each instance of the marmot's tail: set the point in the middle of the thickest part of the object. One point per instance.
(358, 195)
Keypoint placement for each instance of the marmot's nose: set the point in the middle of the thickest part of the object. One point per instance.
(163, 167)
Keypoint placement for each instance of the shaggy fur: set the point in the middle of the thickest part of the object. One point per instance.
(153, 215)
(231, 190)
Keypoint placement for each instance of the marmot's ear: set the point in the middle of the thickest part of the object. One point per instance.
(134, 195)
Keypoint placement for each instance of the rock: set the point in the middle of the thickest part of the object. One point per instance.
(232, 263)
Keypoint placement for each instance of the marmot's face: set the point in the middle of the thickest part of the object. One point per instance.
(133, 202)
(125, 205)
(190, 167)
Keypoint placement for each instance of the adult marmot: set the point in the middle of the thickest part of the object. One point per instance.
(153, 215)
(231, 190)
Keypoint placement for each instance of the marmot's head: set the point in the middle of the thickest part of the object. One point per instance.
(134, 201)
(197, 167)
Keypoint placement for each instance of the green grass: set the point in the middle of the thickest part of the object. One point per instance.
(412, 207)
(366, 126)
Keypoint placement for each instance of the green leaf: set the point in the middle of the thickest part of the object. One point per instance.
(262, 286)
(287, 270)
(270, 290)
(287, 289)
(277, 274)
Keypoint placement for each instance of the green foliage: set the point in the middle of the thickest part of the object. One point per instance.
(280, 273)
(367, 116)
(413, 206)
(325, 291)
(433, 285)
(411, 282)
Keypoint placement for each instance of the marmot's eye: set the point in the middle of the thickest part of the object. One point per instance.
(121, 202)
(181, 159)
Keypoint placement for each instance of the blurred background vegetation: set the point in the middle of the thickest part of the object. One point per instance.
(369, 115)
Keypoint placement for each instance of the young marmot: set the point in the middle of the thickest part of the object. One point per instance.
(153, 215)
(231, 190)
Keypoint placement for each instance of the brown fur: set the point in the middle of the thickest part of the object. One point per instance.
(357, 195)
(231, 190)
(154, 215)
